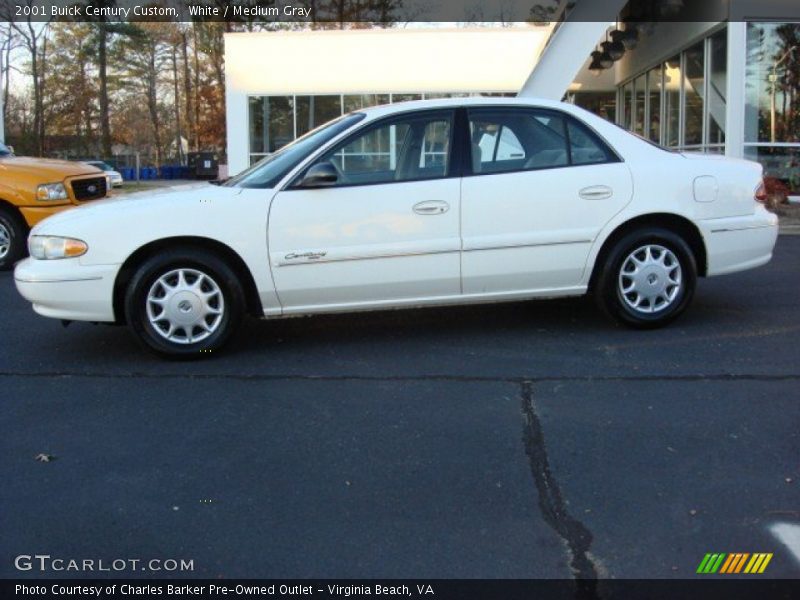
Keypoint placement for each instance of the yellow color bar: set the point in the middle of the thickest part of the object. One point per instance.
(753, 564)
(765, 563)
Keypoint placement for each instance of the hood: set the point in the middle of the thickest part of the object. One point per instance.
(45, 170)
(140, 205)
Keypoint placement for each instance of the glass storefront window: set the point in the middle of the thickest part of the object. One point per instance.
(772, 111)
(672, 98)
(638, 105)
(693, 90)
(274, 121)
(313, 111)
(603, 104)
(271, 123)
(781, 163)
(356, 102)
(684, 101)
(405, 97)
(627, 106)
(654, 104)
(717, 87)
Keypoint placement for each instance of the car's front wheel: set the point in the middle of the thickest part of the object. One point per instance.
(12, 238)
(648, 278)
(184, 303)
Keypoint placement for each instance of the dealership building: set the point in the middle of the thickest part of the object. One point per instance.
(718, 77)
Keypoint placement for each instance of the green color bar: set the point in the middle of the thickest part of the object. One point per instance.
(710, 563)
(701, 568)
(717, 564)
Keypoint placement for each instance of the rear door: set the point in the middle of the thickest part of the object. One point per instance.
(542, 187)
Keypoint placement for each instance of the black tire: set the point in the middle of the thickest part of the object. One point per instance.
(671, 298)
(15, 232)
(140, 296)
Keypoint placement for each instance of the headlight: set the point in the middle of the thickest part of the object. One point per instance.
(51, 191)
(46, 247)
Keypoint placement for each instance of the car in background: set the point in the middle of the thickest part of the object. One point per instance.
(435, 202)
(34, 188)
(114, 177)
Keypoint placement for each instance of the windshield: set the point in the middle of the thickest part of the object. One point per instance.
(4, 151)
(267, 172)
(99, 165)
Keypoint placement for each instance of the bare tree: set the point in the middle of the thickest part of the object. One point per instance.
(9, 41)
(33, 37)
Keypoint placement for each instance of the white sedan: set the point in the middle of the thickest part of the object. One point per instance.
(114, 177)
(413, 204)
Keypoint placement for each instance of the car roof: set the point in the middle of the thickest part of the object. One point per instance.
(388, 109)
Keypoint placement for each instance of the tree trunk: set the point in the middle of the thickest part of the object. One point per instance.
(152, 105)
(178, 143)
(42, 86)
(196, 90)
(105, 125)
(187, 91)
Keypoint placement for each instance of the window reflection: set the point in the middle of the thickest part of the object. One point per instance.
(717, 87)
(781, 163)
(603, 104)
(313, 111)
(627, 106)
(358, 101)
(638, 106)
(681, 103)
(772, 111)
(271, 123)
(693, 91)
(654, 103)
(672, 98)
(274, 121)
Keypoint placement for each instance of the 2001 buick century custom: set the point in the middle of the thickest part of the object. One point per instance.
(420, 203)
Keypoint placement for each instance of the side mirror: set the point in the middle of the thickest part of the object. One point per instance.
(320, 175)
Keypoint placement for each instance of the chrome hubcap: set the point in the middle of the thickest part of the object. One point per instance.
(185, 306)
(650, 279)
(5, 241)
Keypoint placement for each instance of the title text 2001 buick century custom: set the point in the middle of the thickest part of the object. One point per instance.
(420, 203)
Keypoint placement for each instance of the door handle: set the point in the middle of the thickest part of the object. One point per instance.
(596, 192)
(431, 207)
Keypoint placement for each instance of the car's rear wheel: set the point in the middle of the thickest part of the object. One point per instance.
(184, 303)
(13, 235)
(648, 278)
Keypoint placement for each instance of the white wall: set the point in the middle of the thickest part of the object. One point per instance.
(371, 61)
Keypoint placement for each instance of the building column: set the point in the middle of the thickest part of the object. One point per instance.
(562, 59)
(735, 92)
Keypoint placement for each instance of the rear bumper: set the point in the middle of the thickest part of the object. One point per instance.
(739, 243)
(65, 289)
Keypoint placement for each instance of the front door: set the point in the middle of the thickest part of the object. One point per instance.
(385, 232)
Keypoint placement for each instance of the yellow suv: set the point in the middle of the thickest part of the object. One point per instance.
(34, 188)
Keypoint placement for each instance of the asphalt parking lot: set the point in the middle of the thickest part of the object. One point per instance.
(521, 440)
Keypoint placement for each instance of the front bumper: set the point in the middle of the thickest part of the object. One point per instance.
(739, 243)
(65, 289)
(34, 214)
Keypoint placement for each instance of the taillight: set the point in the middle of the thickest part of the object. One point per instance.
(761, 193)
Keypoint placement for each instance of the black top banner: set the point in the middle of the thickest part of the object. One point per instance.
(396, 12)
